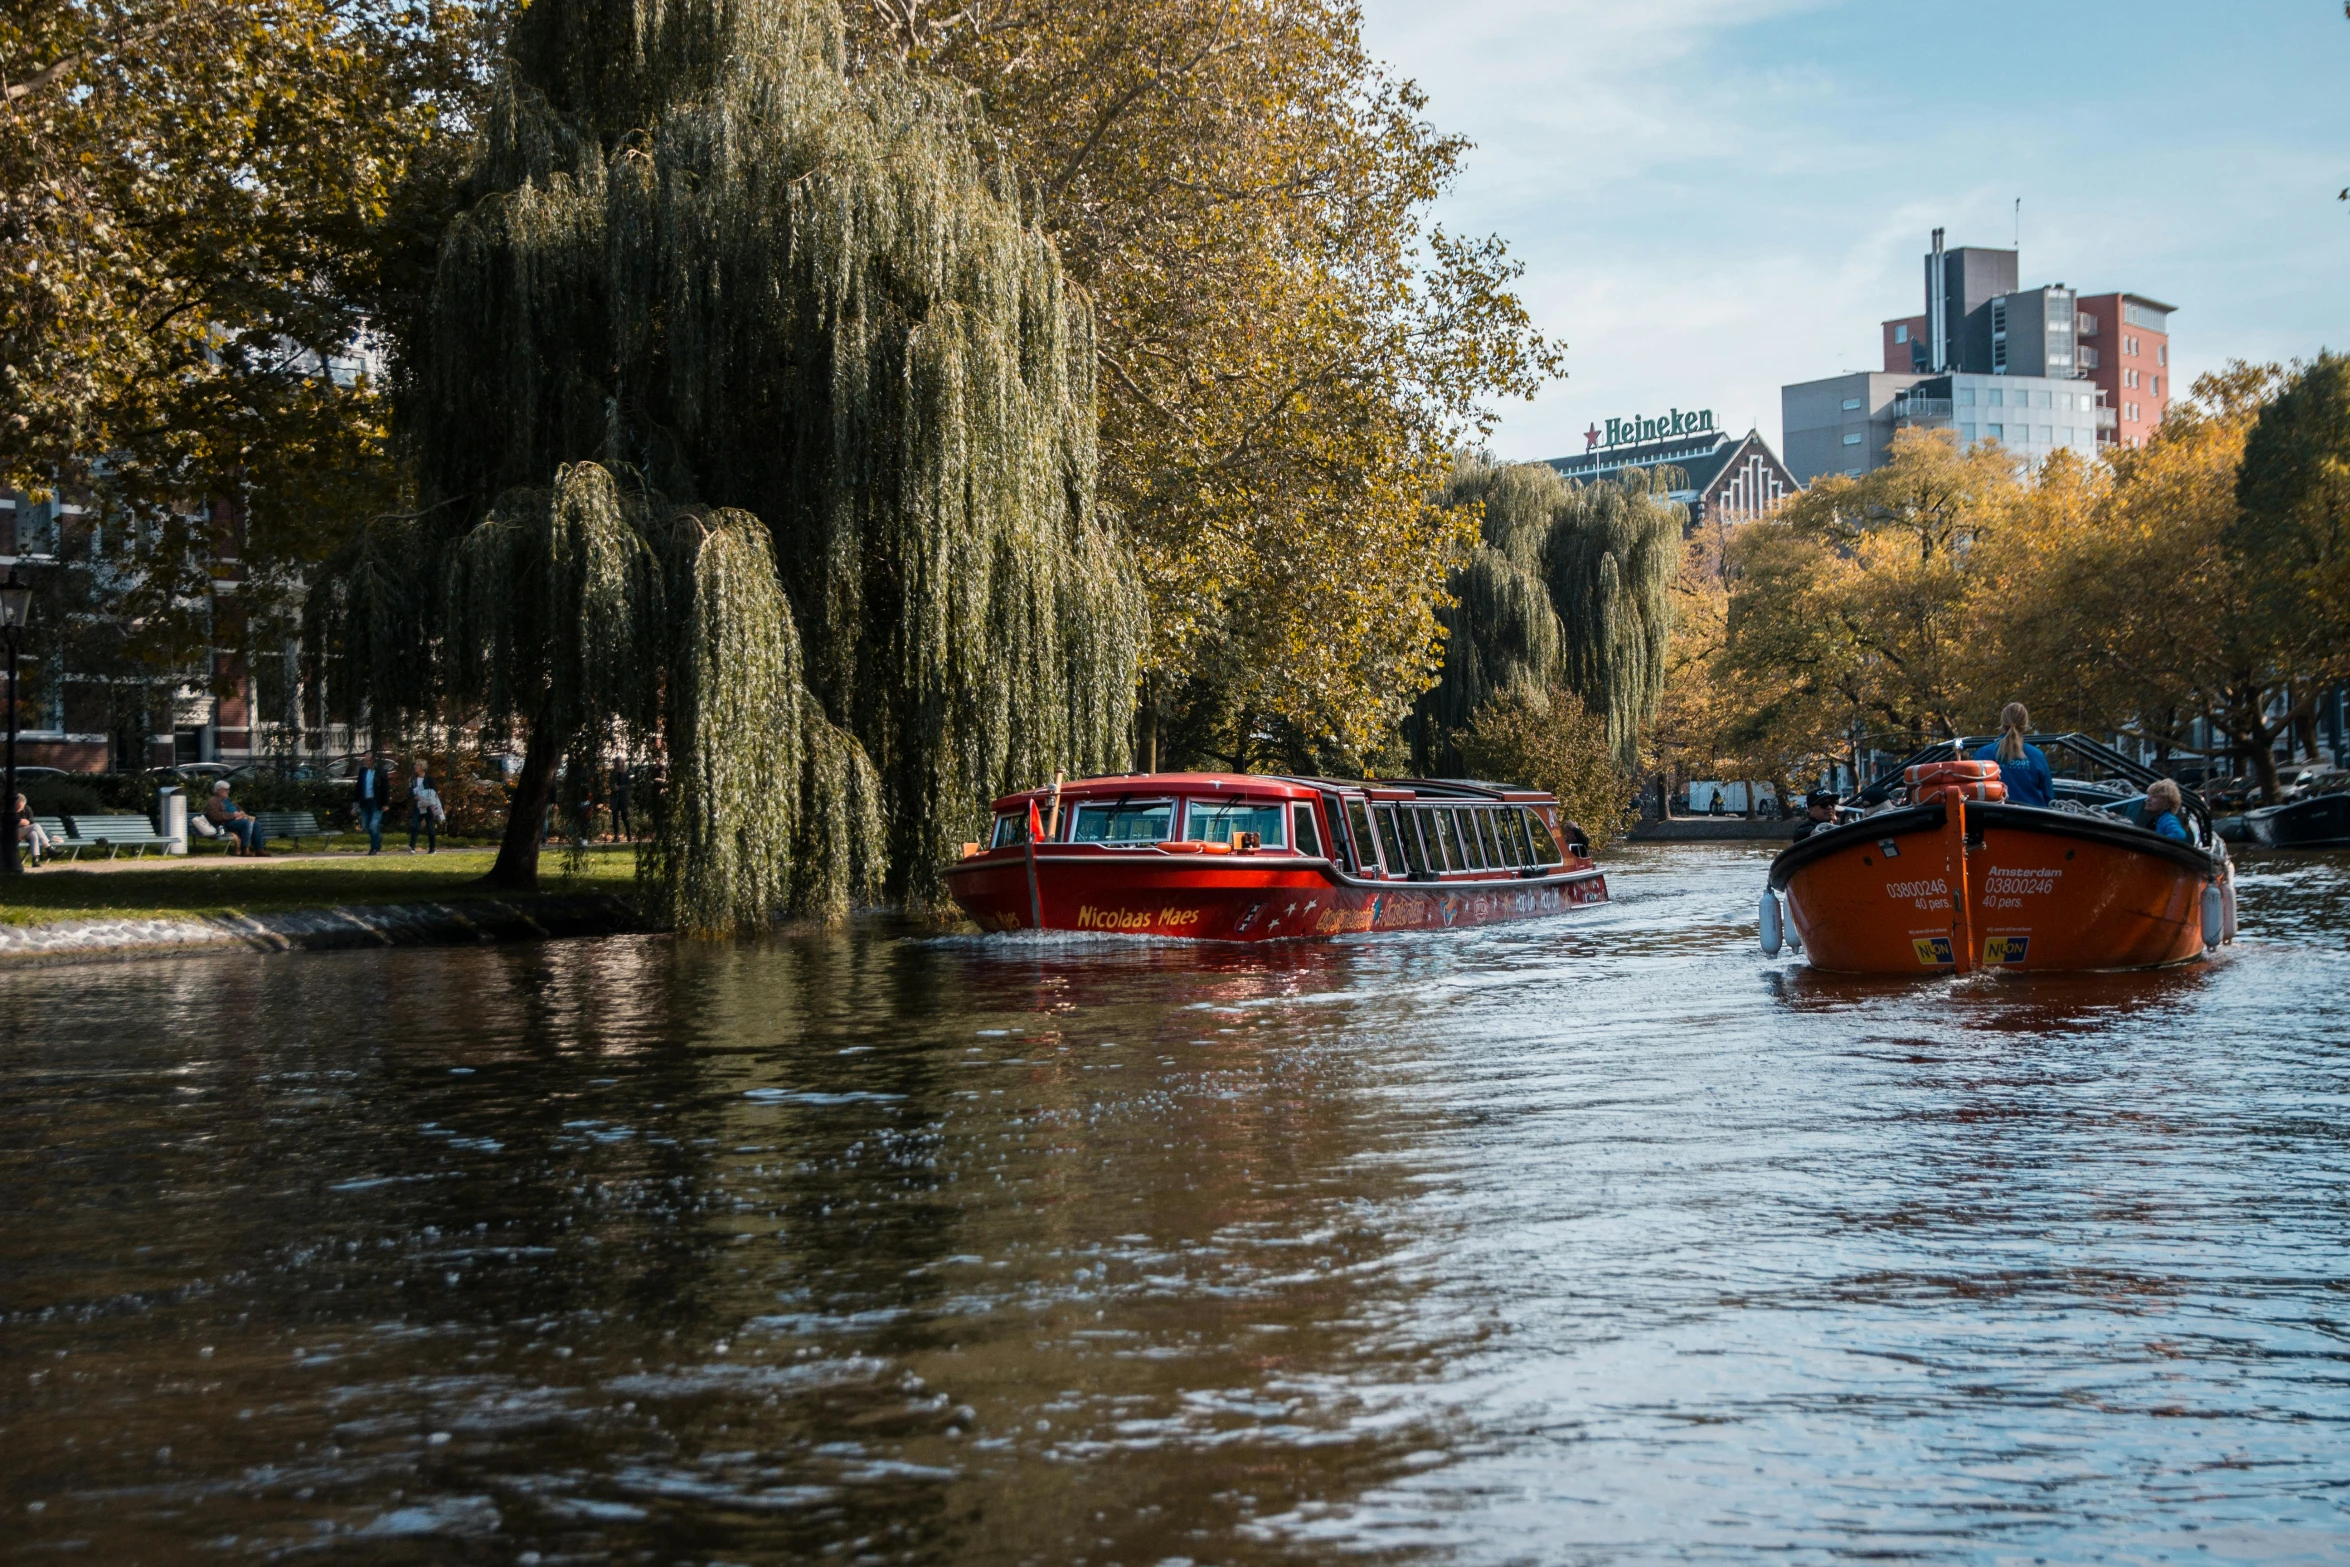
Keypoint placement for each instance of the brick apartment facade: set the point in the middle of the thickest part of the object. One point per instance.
(2125, 351)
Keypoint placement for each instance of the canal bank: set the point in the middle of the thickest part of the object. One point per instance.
(465, 922)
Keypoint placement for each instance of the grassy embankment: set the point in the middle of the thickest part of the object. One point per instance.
(213, 884)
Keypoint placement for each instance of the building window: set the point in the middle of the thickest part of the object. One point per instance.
(2162, 354)
(1901, 333)
(1852, 440)
(2130, 346)
(1966, 397)
(1998, 432)
(1851, 404)
(2047, 436)
(1966, 432)
(1996, 395)
(2158, 386)
(2040, 399)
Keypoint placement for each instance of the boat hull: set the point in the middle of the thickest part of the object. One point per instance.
(2007, 887)
(1238, 897)
(2320, 822)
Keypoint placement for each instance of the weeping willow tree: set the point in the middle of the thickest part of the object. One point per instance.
(695, 251)
(1569, 589)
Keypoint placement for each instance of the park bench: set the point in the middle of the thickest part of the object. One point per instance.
(115, 834)
(293, 825)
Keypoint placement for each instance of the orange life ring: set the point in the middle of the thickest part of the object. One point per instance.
(1954, 771)
(1967, 789)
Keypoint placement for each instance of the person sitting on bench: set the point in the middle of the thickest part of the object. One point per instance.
(222, 812)
(29, 833)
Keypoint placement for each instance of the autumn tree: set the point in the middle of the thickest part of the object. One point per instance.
(2171, 602)
(1854, 603)
(204, 204)
(2293, 504)
(1289, 352)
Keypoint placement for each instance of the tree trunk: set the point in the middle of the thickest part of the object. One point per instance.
(517, 867)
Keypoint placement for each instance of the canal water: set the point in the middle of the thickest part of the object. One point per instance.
(1593, 1240)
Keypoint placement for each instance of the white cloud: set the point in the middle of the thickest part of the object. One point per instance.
(1713, 198)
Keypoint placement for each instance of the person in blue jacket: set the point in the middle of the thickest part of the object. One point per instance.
(2161, 810)
(2022, 767)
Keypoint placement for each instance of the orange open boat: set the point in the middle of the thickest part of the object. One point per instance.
(1954, 884)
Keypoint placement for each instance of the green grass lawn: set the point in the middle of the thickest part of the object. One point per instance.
(154, 888)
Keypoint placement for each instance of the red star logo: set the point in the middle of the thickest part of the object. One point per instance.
(1591, 438)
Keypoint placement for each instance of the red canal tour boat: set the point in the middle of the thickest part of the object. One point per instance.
(1242, 857)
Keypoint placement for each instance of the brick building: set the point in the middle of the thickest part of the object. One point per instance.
(2125, 352)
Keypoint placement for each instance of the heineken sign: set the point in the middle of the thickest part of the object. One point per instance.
(1656, 427)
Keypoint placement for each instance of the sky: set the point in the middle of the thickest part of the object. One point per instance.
(1713, 198)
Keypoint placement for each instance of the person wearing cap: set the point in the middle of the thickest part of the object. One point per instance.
(1819, 812)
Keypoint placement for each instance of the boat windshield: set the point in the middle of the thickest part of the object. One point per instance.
(1126, 821)
(1011, 827)
(1215, 821)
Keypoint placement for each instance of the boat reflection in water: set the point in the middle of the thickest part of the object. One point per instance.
(1249, 857)
(1964, 879)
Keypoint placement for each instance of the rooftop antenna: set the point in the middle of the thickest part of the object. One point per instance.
(2019, 223)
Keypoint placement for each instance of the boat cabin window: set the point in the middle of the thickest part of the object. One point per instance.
(1011, 827)
(1303, 838)
(1358, 816)
(1546, 848)
(1447, 824)
(1135, 822)
(1497, 857)
(1513, 828)
(1401, 841)
(1215, 821)
(1473, 842)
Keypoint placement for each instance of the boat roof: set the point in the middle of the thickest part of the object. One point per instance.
(1279, 785)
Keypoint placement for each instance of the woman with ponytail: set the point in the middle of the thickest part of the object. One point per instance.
(2022, 766)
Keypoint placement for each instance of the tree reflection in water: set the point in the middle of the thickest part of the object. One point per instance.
(1597, 1231)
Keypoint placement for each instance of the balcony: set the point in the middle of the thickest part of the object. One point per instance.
(1922, 412)
(2108, 419)
(2088, 357)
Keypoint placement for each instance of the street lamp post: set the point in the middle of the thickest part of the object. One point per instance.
(16, 604)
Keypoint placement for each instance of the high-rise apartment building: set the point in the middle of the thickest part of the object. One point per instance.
(1979, 321)
(2125, 352)
(2087, 371)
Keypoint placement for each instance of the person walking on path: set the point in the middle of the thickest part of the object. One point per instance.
(2022, 767)
(622, 829)
(424, 810)
(371, 792)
